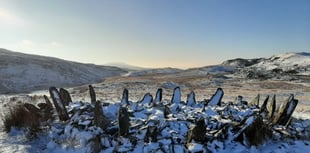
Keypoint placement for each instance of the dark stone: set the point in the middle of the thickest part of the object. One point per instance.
(65, 96)
(94, 145)
(216, 98)
(48, 102)
(191, 100)
(59, 105)
(125, 98)
(286, 110)
(263, 109)
(33, 109)
(99, 119)
(271, 107)
(151, 133)
(158, 96)
(123, 122)
(166, 111)
(253, 131)
(198, 132)
(92, 94)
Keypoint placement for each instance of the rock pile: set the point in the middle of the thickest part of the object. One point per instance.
(153, 125)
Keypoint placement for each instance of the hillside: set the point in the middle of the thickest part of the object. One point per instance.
(23, 72)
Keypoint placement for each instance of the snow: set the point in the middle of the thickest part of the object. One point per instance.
(286, 61)
(74, 135)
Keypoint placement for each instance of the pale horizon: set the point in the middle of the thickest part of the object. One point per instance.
(155, 34)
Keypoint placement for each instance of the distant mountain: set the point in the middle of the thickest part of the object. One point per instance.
(126, 66)
(241, 63)
(157, 71)
(24, 72)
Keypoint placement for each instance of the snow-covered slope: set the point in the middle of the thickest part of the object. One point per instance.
(23, 72)
(286, 62)
(286, 66)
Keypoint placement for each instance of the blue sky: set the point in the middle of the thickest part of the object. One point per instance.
(157, 33)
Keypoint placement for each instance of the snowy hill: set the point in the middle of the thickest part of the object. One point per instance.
(23, 72)
(286, 61)
(287, 66)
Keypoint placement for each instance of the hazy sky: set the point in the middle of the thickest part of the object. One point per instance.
(155, 33)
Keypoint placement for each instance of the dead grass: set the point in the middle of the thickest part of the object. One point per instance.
(21, 118)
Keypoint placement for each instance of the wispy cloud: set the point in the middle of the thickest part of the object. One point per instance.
(9, 18)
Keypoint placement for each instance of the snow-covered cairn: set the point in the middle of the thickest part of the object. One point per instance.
(153, 125)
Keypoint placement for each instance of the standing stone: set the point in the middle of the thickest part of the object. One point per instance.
(123, 122)
(158, 96)
(176, 97)
(59, 105)
(263, 109)
(48, 102)
(65, 96)
(151, 133)
(255, 101)
(197, 132)
(191, 100)
(125, 101)
(271, 107)
(286, 110)
(216, 98)
(99, 119)
(92, 94)
(253, 131)
(147, 99)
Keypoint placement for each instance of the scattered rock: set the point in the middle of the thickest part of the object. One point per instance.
(59, 105)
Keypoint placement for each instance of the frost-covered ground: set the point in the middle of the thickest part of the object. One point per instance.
(111, 89)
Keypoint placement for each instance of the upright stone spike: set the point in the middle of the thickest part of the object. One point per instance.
(100, 120)
(48, 102)
(271, 107)
(125, 98)
(147, 99)
(59, 105)
(92, 94)
(176, 97)
(191, 100)
(286, 110)
(123, 122)
(263, 109)
(255, 101)
(65, 96)
(158, 96)
(216, 98)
